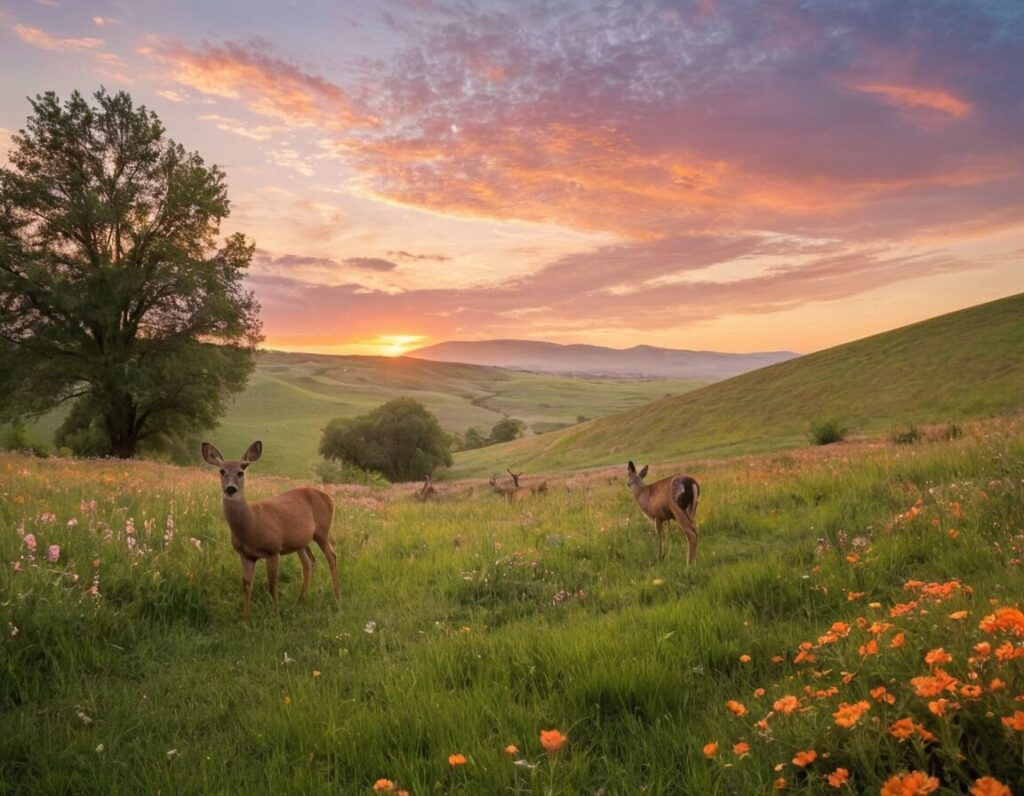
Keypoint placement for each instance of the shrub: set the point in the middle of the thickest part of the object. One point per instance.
(330, 471)
(907, 434)
(825, 432)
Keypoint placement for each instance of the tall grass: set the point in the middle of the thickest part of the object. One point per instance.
(469, 624)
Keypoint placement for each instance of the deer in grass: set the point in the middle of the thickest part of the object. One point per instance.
(273, 527)
(672, 498)
(510, 493)
(427, 491)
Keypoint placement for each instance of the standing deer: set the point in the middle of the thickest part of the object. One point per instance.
(427, 491)
(273, 527)
(510, 493)
(672, 498)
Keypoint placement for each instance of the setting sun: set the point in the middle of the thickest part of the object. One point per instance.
(394, 345)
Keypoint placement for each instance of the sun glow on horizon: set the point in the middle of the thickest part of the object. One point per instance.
(383, 345)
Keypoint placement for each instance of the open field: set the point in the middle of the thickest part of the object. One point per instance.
(965, 365)
(470, 624)
(291, 397)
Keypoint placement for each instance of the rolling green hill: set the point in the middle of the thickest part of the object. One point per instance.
(291, 397)
(966, 364)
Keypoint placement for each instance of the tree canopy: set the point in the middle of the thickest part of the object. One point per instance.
(115, 293)
(400, 439)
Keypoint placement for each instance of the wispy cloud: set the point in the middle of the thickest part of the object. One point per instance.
(38, 37)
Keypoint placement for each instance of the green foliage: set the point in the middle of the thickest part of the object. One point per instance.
(114, 294)
(473, 439)
(826, 432)
(905, 434)
(400, 439)
(14, 437)
(507, 429)
(330, 471)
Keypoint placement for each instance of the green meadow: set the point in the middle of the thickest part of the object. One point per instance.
(470, 624)
(964, 365)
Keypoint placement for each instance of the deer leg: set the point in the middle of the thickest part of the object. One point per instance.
(248, 568)
(688, 527)
(273, 564)
(659, 531)
(306, 559)
(332, 561)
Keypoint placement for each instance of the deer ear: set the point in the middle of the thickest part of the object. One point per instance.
(643, 472)
(630, 468)
(254, 452)
(211, 455)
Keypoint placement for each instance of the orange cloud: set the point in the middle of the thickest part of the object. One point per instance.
(45, 41)
(933, 99)
(268, 86)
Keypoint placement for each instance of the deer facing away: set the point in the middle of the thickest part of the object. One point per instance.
(273, 527)
(672, 498)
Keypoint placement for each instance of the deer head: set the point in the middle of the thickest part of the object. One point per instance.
(232, 473)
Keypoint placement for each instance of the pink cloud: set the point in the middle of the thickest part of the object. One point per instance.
(46, 41)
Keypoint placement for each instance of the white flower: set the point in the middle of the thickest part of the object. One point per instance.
(370, 627)
(288, 659)
(172, 753)
(99, 748)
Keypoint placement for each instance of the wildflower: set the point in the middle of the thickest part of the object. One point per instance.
(838, 778)
(871, 648)
(786, 704)
(758, 692)
(916, 783)
(984, 649)
(710, 750)
(956, 616)
(971, 691)
(847, 677)
(933, 686)
(953, 533)
(13, 629)
(316, 673)
(511, 750)
(383, 786)
(456, 760)
(996, 684)
(1008, 619)
(882, 694)
(53, 553)
(777, 659)
(736, 708)
(744, 659)
(552, 740)
(369, 627)
(902, 729)
(989, 786)
(850, 713)
(741, 749)
(779, 784)
(805, 758)
(29, 540)
(172, 753)
(938, 707)
(853, 596)
(287, 701)
(47, 516)
(1014, 722)
(72, 522)
(937, 656)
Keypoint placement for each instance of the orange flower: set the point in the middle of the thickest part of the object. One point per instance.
(805, 758)
(383, 786)
(779, 784)
(933, 686)
(1014, 722)
(956, 616)
(1008, 619)
(916, 783)
(710, 749)
(871, 648)
(853, 596)
(971, 691)
(882, 694)
(989, 786)
(777, 659)
(995, 685)
(744, 659)
(456, 760)
(552, 740)
(741, 749)
(736, 708)
(938, 656)
(938, 707)
(758, 692)
(838, 777)
(984, 649)
(841, 629)
(902, 729)
(850, 713)
(847, 677)
(511, 750)
(786, 704)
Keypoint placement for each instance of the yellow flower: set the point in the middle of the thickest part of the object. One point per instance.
(316, 673)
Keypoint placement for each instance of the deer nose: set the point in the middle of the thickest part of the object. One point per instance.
(230, 489)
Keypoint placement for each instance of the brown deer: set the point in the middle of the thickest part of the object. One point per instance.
(273, 527)
(510, 493)
(427, 491)
(672, 498)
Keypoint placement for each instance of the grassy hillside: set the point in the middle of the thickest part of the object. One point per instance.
(291, 397)
(470, 624)
(963, 365)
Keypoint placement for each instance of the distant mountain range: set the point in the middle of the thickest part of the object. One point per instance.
(642, 361)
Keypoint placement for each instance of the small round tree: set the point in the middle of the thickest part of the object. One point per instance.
(401, 439)
(507, 429)
(114, 293)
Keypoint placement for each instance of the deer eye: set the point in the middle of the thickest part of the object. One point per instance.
(222, 472)
(240, 473)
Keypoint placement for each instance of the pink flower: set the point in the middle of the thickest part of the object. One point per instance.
(47, 516)
(30, 542)
(53, 553)
(72, 522)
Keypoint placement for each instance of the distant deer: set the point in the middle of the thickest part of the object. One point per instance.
(510, 493)
(672, 498)
(427, 491)
(273, 527)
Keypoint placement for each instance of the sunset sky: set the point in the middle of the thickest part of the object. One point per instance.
(734, 176)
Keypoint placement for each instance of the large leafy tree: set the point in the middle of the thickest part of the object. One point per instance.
(116, 293)
(400, 439)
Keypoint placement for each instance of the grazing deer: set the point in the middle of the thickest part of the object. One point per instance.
(273, 527)
(672, 498)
